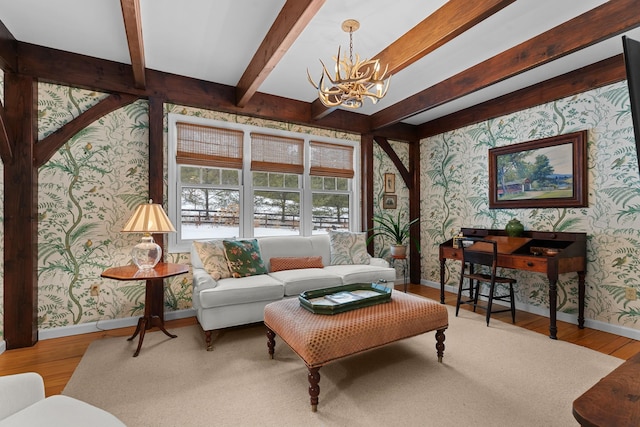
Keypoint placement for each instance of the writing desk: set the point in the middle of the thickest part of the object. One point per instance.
(515, 253)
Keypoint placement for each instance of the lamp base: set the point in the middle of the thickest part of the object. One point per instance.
(146, 254)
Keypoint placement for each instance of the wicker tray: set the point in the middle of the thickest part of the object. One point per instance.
(344, 298)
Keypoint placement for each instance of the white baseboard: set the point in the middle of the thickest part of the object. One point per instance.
(102, 325)
(598, 325)
(3, 346)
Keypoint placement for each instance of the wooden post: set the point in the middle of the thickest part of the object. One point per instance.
(21, 214)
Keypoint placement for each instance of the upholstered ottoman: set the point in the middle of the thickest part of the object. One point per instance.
(319, 339)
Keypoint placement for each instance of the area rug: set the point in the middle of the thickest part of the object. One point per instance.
(499, 375)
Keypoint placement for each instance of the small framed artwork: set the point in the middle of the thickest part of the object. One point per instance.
(390, 201)
(389, 183)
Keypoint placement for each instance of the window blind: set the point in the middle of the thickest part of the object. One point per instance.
(331, 160)
(209, 146)
(273, 153)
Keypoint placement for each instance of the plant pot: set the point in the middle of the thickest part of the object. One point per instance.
(398, 251)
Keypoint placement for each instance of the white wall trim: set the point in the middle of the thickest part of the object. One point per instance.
(598, 325)
(105, 325)
(3, 346)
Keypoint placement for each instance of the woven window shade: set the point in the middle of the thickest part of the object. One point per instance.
(272, 153)
(331, 160)
(209, 146)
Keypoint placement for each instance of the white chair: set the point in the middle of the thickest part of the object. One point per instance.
(22, 403)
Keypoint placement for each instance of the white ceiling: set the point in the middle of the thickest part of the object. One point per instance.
(216, 40)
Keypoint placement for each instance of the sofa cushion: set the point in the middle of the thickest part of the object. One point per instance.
(214, 260)
(240, 291)
(243, 258)
(348, 248)
(307, 279)
(295, 263)
(361, 273)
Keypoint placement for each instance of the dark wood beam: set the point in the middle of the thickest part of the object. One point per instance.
(133, 28)
(6, 153)
(8, 49)
(21, 214)
(596, 25)
(366, 186)
(600, 74)
(292, 19)
(52, 143)
(442, 26)
(388, 149)
(70, 69)
(415, 255)
(156, 157)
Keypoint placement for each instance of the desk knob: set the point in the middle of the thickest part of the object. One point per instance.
(529, 264)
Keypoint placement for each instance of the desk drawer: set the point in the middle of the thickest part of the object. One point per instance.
(538, 264)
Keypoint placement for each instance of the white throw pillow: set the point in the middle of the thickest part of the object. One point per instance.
(348, 248)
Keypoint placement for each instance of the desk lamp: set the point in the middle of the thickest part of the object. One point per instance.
(148, 218)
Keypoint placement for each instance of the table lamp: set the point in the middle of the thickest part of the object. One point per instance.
(148, 218)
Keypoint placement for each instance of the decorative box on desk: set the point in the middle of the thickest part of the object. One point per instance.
(565, 253)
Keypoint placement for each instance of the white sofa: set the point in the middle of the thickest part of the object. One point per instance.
(23, 403)
(236, 301)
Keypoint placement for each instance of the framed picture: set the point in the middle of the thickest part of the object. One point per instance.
(389, 183)
(390, 201)
(545, 173)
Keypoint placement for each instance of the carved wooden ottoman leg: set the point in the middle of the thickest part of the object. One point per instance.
(314, 387)
(271, 341)
(440, 343)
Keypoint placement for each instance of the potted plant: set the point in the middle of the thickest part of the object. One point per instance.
(395, 230)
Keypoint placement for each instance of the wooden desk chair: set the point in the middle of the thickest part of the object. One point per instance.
(483, 254)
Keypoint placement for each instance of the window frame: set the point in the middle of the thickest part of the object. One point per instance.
(176, 244)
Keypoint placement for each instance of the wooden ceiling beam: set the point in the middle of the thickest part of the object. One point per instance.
(133, 28)
(292, 19)
(445, 24)
(596, 25)
(596, 75)
(8, 49)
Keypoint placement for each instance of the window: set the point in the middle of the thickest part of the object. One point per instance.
(230, 180)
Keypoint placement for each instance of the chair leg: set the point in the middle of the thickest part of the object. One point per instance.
(513, 304)
(459, 294)
(477, 294)
(490, 304)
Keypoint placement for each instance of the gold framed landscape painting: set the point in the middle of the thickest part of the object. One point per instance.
(545, 173)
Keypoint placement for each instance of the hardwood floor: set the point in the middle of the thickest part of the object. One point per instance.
(56, 359)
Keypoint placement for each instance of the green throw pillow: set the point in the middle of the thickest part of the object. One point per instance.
(243, 258)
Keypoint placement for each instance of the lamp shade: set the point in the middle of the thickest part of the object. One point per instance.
(149, 218)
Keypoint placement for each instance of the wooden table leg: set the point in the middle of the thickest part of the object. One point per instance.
(581, 295)
(553, 302)
(153, 313)
(314, 387)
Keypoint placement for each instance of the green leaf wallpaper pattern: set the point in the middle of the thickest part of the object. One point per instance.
(454, 194)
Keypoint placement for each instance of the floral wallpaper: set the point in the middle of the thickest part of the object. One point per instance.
(92, 184)
(87, 191)
(454, 194)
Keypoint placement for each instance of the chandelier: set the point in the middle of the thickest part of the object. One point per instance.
(353, 81)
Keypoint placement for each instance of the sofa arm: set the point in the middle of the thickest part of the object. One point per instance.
(201, 281)
(378, 262)
(19, 391)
